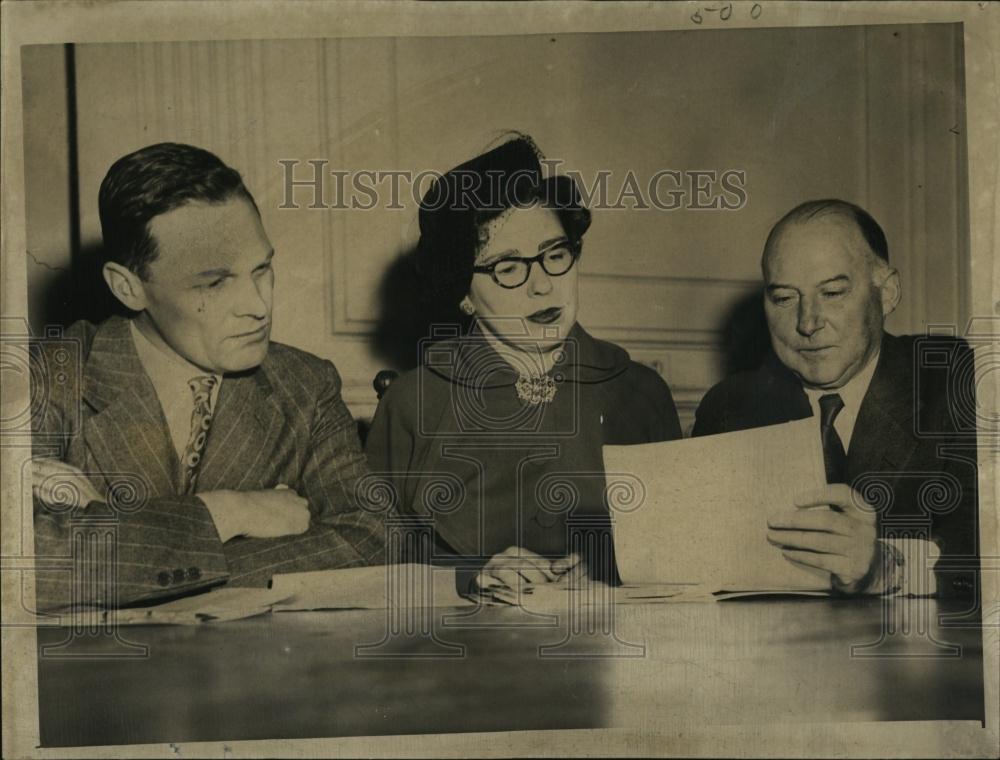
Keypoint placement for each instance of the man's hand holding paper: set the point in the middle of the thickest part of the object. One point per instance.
(832, 529)
(701, 514)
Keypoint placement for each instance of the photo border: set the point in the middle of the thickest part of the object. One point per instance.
(59, 22)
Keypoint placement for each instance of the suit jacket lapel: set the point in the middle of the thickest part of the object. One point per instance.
(883, 431)
(245, 427)
(127, 434)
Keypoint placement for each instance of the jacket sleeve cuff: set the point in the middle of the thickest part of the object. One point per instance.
(166, 548)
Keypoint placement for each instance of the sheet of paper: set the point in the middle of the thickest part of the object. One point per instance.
(695, 510)
(724, 596)
(216, 605)
(375, 587)
(562, 597)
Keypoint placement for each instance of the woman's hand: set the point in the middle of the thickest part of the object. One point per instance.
(515, 571)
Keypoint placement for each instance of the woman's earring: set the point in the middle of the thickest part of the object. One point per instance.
(466, 306)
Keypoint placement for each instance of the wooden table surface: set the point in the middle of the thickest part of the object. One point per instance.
(309, 674)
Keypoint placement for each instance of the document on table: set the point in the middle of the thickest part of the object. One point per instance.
(217, 605)
(370, 588)
(560, 597)
(695, 510)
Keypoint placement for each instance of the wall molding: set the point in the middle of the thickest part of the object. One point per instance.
(719, 290)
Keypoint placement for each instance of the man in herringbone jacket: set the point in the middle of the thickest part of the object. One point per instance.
(215, 455)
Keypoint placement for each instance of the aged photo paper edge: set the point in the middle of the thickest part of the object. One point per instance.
(37, 23)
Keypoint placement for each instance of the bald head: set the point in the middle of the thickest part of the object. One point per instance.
(828, 290)
(855, 223)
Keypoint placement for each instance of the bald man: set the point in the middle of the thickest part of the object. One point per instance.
(898, 514)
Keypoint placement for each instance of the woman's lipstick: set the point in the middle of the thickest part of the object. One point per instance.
(546, 316)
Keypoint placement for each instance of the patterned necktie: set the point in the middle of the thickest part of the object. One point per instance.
(834, 456)
(201, 421)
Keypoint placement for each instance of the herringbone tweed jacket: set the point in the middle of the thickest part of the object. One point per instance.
(283, 422)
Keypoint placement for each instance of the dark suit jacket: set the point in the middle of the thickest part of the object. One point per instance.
(283, 422)
(913, 450)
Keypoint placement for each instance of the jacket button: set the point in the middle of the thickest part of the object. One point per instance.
(163, 578)
(178, 576)
(194, 573)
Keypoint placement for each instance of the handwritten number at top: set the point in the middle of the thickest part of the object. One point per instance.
(725, 12)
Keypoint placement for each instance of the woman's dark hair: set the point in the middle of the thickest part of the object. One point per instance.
(150, 182)
(456, 209)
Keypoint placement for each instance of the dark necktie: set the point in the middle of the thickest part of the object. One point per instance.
(834, 456)
(201, 421)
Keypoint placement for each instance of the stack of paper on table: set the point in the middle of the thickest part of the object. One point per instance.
(375, 587)
(215, 606)
(695, 510)
(560, 597)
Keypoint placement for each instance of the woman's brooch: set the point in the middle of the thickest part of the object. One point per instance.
(535, 390)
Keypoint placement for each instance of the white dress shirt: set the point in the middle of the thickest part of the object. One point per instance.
(170, 374)
(919, 556)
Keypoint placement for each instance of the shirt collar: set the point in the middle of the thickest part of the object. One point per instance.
(471, 360)
(167, 370)
(852, 393)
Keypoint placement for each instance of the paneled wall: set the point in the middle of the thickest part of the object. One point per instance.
(870, 114)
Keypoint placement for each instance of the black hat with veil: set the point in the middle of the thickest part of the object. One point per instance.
(462, 208)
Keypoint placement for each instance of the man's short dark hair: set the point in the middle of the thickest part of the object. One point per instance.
(150, 182)
(866, 224)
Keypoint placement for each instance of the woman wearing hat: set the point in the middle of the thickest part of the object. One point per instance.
(497, 437)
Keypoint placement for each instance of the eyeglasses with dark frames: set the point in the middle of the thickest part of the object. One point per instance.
(555, 259)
